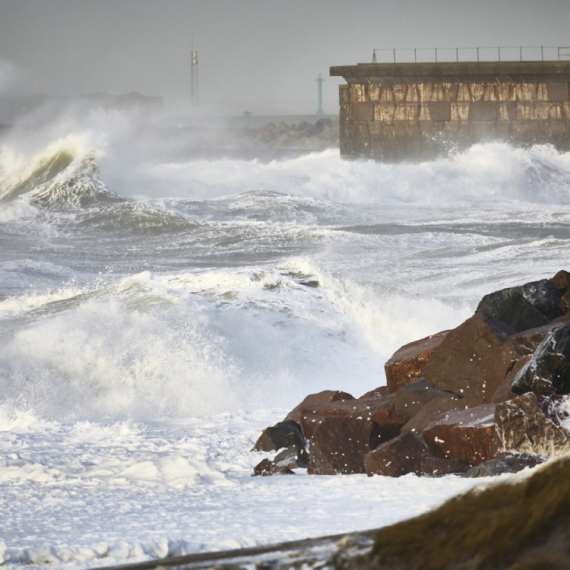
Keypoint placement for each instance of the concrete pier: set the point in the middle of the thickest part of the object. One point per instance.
(416, 111)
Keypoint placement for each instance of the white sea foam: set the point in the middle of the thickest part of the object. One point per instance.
(146, 341)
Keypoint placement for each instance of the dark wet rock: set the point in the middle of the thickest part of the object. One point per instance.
(318, 399)
(504, 463)
(400, 456)
(548, 371)
(341, 433)
(412, 398)
(470, 360)
(266, 468)
(531, 424)
(518, 313)
(463, 434)
(543, 295)
(291, 457)
(282, 434)
(406, 364)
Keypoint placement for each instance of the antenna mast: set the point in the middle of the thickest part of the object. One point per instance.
(320, 99)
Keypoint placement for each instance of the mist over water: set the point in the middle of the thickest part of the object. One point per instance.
(138, 284)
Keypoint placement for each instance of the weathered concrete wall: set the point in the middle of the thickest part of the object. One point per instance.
(417, 111)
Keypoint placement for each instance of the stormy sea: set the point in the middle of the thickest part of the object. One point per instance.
(159, 308)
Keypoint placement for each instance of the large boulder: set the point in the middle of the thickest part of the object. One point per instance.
(338, 445)
(406, 364)
(463, 434)
(318, 399)
(432, 410)
(408, 453)
(412, 398)
(470, 360)
(548, 371)
(531, 424)
(341, 433)
(400, 456)
(515, 311)
(543, 295)
(281, 435)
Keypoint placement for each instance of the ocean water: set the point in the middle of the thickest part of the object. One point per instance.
(158, 310)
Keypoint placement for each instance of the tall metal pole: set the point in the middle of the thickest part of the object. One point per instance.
(320, 82)
(194, 83)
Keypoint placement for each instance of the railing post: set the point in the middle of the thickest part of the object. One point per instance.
(542, 52)
(374, 56)
(520, 49)
(415, 56)
(477, 55)
(456, 55)
(436, 55)
(499, 51)
(394, 55)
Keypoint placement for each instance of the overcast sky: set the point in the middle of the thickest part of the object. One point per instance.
(259, 55)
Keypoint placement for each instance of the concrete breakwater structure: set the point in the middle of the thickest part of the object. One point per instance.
(416, 111)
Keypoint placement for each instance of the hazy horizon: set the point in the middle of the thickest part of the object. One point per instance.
(261, 56)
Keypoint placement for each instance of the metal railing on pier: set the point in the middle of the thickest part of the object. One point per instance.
(470, 54)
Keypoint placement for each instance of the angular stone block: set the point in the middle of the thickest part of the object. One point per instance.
(406, 364)
(464, 434)
(412, 398)
(318, 399)
(470, 360)
(397, 457)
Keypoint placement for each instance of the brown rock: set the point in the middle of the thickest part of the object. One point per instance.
(432, 410)
(503, 393)
(407, 363)
(381, 411)
(527, 424)
(266, 468)
(561, 280)
(338, 445)
(341, 433)
(376, 393)
(463, 434)
(397, 457)
(318, 399)
(470, 361)
(412, 398)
